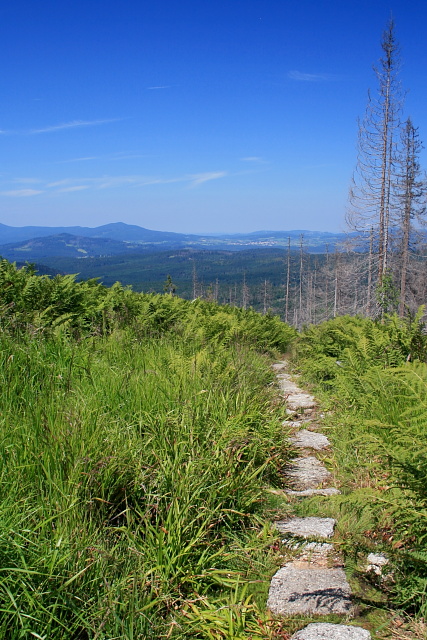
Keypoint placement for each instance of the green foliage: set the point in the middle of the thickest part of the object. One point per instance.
(376, 377)
(137, 435)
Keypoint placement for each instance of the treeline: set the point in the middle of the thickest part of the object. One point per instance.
(300, 287)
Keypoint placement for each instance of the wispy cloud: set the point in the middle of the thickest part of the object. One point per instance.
(73, 125)
(254, 159)
(74, 184)
(120, 155)
(77, 187)
(164, 86)
(27, 180)
(312, 77)
(21, 193)
(200, 178)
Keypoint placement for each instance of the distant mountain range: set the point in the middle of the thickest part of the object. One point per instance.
(40, 243)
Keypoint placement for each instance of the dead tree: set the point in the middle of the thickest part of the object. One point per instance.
(372, 191)
(412, 196)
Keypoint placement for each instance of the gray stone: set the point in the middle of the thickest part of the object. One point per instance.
(309, 591)
(310, 527)
(296, 401)
(286, 385)
(329, 631)
(306, 473)
(376, 563)
(279, 366)
(329, 491)
(310, 554)
(310, 440)
(295, 424)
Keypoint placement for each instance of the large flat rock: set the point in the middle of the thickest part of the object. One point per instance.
(310, 527)
(311, 555)
(305, 439)
(309, 591)
(327, 491)
(306, 473)
(286, 385)
(300, 400)
(328, 631)
(279, 366)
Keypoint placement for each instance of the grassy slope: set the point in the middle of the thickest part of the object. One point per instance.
(138, 433)
(373, 379)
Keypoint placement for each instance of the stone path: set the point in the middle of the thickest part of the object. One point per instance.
(314, 581)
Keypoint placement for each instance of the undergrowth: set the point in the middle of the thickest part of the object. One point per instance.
(373, 377)
(138, 433)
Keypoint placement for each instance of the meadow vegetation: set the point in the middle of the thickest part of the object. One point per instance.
(373, 378)
(137, 435)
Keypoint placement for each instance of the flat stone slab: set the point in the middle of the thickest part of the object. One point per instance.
(279, 366)
(295, 424)
(296, 401)
(327, 491)
(328, 631)
(310, 440)
(309, 591)
(286, 385)
(310, 527)
(306, 473)
(311, 554)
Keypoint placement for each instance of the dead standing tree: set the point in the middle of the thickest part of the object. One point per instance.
(373, 186)
(412, 201)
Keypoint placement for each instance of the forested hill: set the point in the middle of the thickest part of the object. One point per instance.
(14, 241)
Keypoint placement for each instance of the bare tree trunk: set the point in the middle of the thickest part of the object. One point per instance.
(373, 191)
(336, 285)
(245, 293)
(327, 284)
(314, 282)
(413, 198)
(288, 274)
(301, 266)
(370, 263)
(194, 281)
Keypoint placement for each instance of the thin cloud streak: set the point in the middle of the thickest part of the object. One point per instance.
(254, 159)
(21, 193)
(311, 77)
(121, 155)
(69, 185)
(201, 178)
(73, 125)
(78, 187)
(27, 180)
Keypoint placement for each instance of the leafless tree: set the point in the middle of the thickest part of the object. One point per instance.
(373, 186)
(412, 209)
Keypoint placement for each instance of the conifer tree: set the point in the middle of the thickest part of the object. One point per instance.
(373, 187)
(411, 201)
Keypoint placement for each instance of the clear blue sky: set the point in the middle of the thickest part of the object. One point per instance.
(192, 116)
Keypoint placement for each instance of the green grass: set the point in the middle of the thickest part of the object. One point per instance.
(133, 460)
(374, 378)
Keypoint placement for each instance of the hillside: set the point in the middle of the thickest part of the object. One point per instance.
(66, 246)
(150, 447)
(314, 241)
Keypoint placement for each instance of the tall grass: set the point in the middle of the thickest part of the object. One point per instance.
(133, 463)
(375, 376)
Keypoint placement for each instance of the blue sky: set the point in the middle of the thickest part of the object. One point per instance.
(192, 116)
